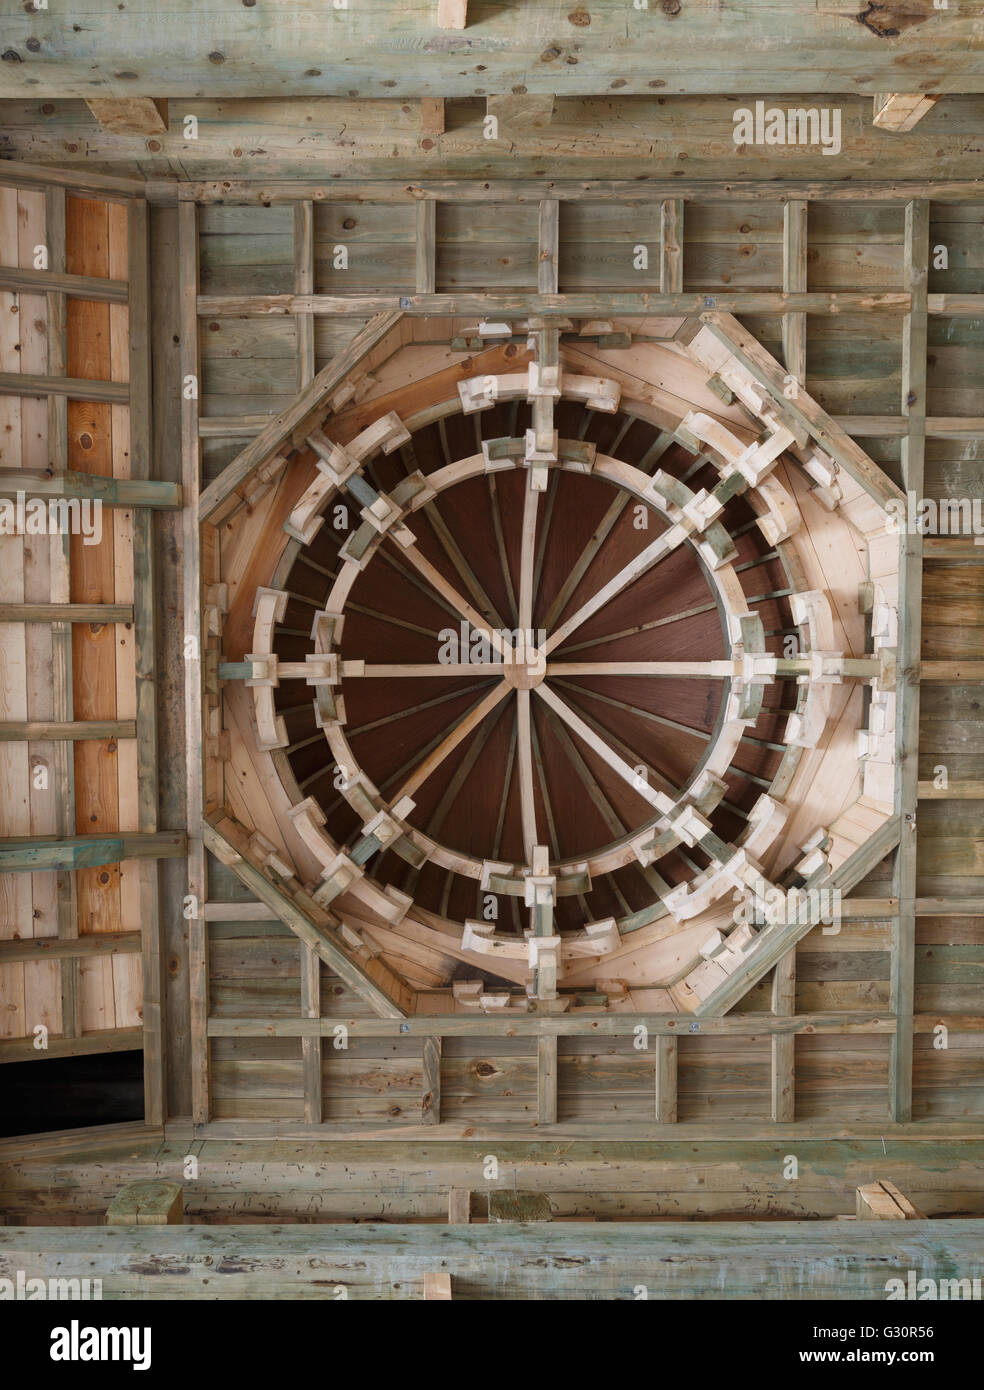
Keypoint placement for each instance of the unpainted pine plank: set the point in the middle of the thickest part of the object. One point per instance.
(90, 449)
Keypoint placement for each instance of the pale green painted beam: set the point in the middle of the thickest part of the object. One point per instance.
(30, 855)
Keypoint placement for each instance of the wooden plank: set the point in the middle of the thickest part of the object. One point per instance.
(794, 281)
(549, 238)
(190, 367)
(431, 1102)
(129, 115)
(56, 948)
(86, 1044)
(671, 247)
(666, 1079)
(438, 1286)
(546, 1080)
(281, 426)
(64, 613)
(756, 1260)
(74, 388)
(21, 174)
(459, 1206)
(589, 304)
(311, 1049)
(72, 731)
(425, 248)
(26, 280)
(111, 492)
(432, 115)
(783, 1045)
(304, 285)
(882, 1201)
(29, 855)
(155, 1202)
(910, 645)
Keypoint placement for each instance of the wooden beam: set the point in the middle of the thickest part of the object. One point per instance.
(303, 405)
(459, 1206)
(452, 14)
(21, 280)
(85, 1045)
(783, 1045)
(111, 492)
(549, 243)
(546, 1080)
(74, 388)
(318, 937)
(671, 246)
(582, 1023)
(517, 112)
(432, 116)
(431, 1102)
(25, 854)
(666, 1079)
(156, 1202)
(882, 1201)
(75, 731)
(57, 948)
(914, 339)
(517, 305)
(304, 285)
(98, 613)
(425, 247)
(438, 1286)
(129, 115)
(900, 111)
(311, 1047)
(197, 888)
(765, 1260)
(794, 281)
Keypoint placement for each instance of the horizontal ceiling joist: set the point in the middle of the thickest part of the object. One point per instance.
(75, 388)
(104, 1040)
(519, 305)
(25, 854)
(437, 48)
(66, 613)
(73, 731)
(70, 948)
(24, 281)
(111, 492)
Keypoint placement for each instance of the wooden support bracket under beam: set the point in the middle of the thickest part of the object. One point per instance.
(129, 115)
(900, 111)
(452, 14)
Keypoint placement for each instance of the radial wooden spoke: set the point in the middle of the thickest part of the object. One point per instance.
(658, 550)
(354, 670)
(708, 670)
(664, 784)
(552, 835)
(528, 557)
(637, 710)
(524, 749)
(658, 800)
(500, 543)
(451, 596)
(553, 487)
(449, 744)
(396, 622)
(580, 569)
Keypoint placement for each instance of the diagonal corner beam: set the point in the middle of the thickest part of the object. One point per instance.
(772, 944)
(319, 938)
(803, 408)
(304, 404)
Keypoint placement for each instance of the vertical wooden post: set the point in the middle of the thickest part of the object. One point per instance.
(144, 600)
(784, 1044)
(430, 1105)
(63, 754)
(794, 279)
(666, 1080)
(914, 335)
(426, 246)
(671, 247)
(311, 1047)
(546, 1079)
(549, 241)
(194, 734)
(304, 284)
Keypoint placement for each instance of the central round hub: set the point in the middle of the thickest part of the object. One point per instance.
(524, 669)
